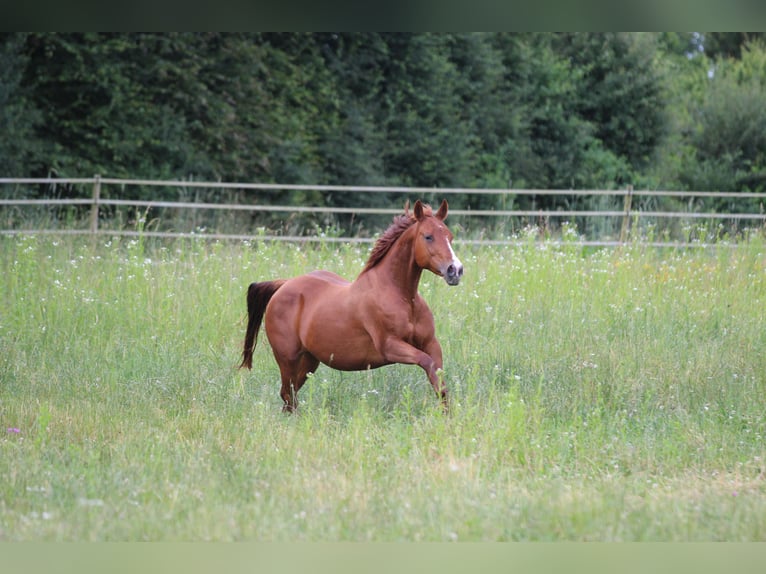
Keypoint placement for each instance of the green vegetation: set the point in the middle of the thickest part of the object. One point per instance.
(612, 395)
(536, 110)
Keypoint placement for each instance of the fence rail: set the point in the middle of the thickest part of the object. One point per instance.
(628, 214)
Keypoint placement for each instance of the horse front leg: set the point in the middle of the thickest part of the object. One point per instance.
(429, 359)
(434, 350)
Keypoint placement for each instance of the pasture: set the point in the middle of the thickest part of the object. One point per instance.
(618, 394)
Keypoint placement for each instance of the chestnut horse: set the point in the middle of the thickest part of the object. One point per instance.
(378, 319)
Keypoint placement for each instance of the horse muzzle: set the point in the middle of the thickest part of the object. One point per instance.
(453, 273)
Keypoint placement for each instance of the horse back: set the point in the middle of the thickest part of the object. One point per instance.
(327, 276)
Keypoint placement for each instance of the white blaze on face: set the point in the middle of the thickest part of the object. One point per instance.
(453, 271)
(455, 261)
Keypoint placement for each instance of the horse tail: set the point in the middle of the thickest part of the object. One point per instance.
(258, 297)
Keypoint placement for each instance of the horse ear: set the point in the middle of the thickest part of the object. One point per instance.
(418, 210)
(442, 213)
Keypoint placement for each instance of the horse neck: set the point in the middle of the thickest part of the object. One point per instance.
(398, 267)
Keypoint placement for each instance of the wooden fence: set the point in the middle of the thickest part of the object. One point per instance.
(629, 214)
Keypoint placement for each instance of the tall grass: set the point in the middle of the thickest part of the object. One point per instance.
(616, 395)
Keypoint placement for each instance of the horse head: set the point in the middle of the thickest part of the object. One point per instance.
(433, 243)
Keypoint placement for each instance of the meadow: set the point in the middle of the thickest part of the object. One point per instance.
(610, 395)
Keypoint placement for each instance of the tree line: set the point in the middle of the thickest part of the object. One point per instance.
(682, 111)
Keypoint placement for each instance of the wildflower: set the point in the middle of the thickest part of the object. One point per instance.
(13, 430)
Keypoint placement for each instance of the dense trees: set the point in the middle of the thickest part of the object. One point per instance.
(538, 110)
(17, 118)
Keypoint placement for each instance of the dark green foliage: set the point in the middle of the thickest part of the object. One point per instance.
(497, 110)
(18, 118)
(619, 92)
(153, 105)
(727, 44)
(719, 122)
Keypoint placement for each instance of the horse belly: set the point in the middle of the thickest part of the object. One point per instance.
(348, 361)
(339, 342)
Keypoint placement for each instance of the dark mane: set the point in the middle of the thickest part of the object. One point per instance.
(400, 224)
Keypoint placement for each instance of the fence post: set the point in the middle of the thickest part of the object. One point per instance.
(94, 207)
(627, 205)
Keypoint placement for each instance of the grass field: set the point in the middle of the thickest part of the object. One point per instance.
(615, 395)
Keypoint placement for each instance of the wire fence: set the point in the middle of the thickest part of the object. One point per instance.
(629, 214)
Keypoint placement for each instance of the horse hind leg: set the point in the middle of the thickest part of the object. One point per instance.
(294, 375)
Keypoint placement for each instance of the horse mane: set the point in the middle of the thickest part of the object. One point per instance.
(383, 245)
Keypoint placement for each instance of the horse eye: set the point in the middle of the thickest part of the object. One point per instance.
(428, 237)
